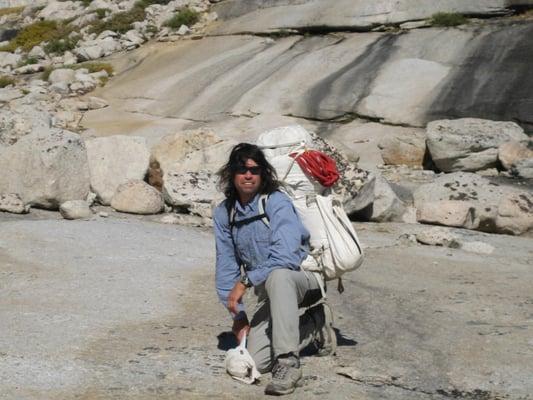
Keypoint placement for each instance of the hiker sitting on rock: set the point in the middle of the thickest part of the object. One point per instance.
(270, 253)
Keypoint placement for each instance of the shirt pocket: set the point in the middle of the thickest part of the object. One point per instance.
(262, 238)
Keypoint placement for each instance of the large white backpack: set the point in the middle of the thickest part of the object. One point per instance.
(335, 247)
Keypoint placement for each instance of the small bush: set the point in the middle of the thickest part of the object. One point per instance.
(101, 12)
(6, 81)
(28, 61)
(103, 80)
(46, 73)
(36, 33)
(84, 2)
(95, 67)
(146, 3)
(59, 46)
(11, 10)
(185, 16)
(120, 22)
(447, 19)
(151, 29)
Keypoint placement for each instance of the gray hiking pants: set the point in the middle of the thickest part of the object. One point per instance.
(276, 326)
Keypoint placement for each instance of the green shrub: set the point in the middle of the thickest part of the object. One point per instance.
(101, 12)
(447, 19)
(151, 29)
(46, 73)
(33, 34)
(6, 81)
(120, 22)
(84, 2)
(95, 67)
(59, 46)
(185, 16)
(146, 3)
(28, 61)
(103, 80)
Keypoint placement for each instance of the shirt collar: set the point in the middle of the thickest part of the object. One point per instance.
(249, 206)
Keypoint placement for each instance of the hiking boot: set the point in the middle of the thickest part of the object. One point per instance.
(326, 340)
(285, 375)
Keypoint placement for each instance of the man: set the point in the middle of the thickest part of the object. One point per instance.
(270, 255)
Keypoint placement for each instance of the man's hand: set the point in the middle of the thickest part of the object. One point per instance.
(234, 296)
(240, 328)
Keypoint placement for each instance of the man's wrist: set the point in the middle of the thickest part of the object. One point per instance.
(246, 281)
(240, 316)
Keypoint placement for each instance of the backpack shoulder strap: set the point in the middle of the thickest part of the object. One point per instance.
(262, 214)
(262, 209)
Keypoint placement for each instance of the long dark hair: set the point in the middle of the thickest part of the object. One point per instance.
(237, 158)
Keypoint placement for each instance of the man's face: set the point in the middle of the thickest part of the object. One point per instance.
(247, 181)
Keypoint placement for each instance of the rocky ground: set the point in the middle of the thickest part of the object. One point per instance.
(125, 308)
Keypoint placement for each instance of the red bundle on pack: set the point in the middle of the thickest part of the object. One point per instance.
(318, 165)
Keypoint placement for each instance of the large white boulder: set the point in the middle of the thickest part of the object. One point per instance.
(447, 212)
(467, 200)
(469, 144)
(62, 75)
(45, 168)
(114, 160)
(91, 51)
(137, 197)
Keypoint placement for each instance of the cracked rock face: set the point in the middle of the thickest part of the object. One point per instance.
(256, 16)
(407, 79)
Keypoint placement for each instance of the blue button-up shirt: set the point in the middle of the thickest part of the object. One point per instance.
(258, 247)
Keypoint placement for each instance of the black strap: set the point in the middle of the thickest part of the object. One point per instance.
(245, 221)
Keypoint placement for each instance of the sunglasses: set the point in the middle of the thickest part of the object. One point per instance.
(243, 169)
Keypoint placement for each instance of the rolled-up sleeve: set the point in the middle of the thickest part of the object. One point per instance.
(288, 244)
(227, 266)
